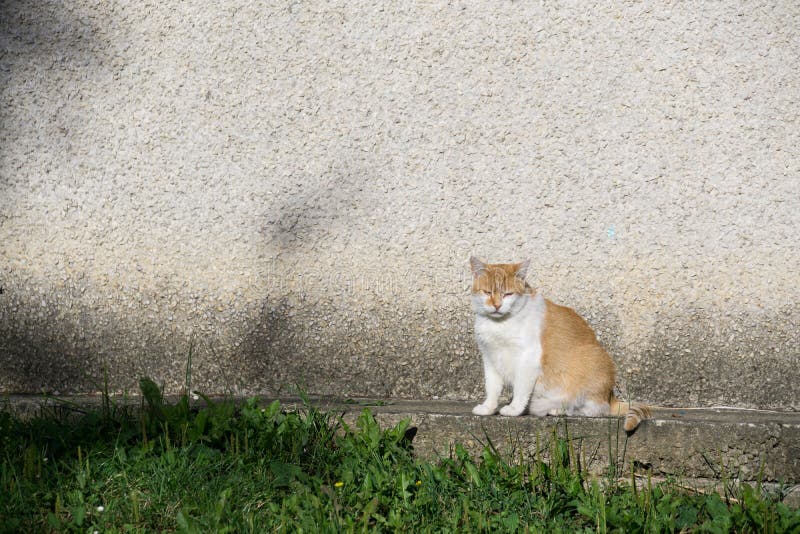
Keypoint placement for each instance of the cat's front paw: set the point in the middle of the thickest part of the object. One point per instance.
(511, 411)
(483, 409)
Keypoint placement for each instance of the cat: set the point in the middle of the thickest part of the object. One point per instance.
(546, 353)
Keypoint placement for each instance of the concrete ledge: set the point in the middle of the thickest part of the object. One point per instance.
(693, 443)
(688, 443)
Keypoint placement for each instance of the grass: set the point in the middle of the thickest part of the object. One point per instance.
(250, 468)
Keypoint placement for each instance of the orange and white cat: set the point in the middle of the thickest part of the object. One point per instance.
(546, 353)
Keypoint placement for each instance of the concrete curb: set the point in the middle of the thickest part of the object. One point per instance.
(715, 443)
(696, 443)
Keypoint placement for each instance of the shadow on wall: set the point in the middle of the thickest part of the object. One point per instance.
(286, 346)
(43, 346)
(748, 361)
(32, 27)
(289, 345)
(40, 33)
(310, 209)
(46, 346)
(34, 353)
(35, 35)
(742, 364)
(271, 352)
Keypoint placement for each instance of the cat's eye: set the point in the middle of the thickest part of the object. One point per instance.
(508, 294)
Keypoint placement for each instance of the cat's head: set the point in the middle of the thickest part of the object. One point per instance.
(498, 289)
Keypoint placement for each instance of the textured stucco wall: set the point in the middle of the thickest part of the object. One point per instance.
(293, 190)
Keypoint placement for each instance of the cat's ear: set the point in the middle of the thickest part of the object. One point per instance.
(476, 265)
(522, 269)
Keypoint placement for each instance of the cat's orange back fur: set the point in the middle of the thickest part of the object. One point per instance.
(572, 358)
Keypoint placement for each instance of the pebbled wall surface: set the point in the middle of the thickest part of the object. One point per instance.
(287, 193)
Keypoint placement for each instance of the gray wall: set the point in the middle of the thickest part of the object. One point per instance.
(293, 191)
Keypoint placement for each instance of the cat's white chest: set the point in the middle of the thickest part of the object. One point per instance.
(500, 336)
(513, 342)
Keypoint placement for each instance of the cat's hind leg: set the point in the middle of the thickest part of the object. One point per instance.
(594, 408)
(549, 403)
(555, 404)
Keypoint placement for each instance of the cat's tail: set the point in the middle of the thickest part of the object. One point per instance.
(634, 413)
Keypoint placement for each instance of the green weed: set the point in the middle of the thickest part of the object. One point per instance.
(220, 467)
